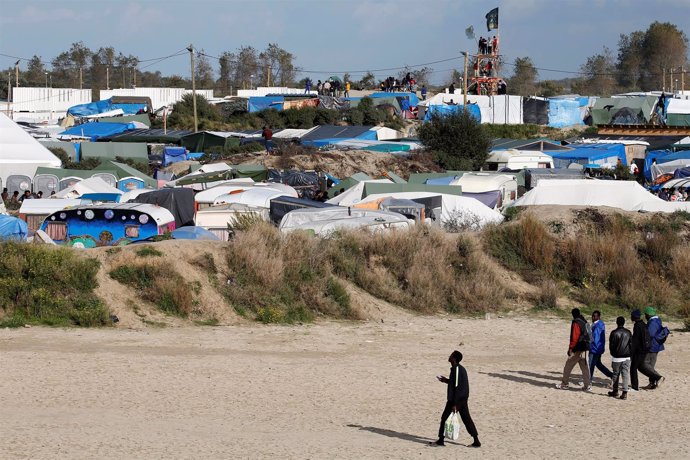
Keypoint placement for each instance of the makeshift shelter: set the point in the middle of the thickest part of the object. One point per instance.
(204, 141)
(90, 186)
(69, 148)
(678, 112)
(639, 109)
(535, 110)
(325, 134)
(149, 136)
(658, 162)
(564, 112)
(12, 229)
(34, 212)
(94, 130)
(444, 110)
(108, 105)
(532, 177)
(516, 160)
(111, 150)
(179, 201)
(625, 195)
(480, 182)
(141, 119)
(584, 154)
(255, 172)
(325, 221)
(216, 219)
(542, 144)
(20, 156)
(173, 155)
(281, 205)
(49, 180)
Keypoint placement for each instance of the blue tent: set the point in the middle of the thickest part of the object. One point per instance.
(259, 103)
(106, 105)
(96, 130)
(12, 228)
(448, 109)
(585, 154)
(193, 233)
(173, 155)
(662, 156)
(411, 97)
(564, 112)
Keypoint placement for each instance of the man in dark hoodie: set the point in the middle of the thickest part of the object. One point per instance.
(458, 393)
(639, 349)
(619, 346)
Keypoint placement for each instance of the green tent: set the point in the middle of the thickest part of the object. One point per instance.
(606, 108)
(421, 178)
(203, 178)
(141, 118)
(112, 150)
(61, 173)
(254, 171)
(375, 188)
(347, 183)
(204, 140)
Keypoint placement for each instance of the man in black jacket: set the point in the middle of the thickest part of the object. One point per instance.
(458, 393)
(620, 342)
(639, 349)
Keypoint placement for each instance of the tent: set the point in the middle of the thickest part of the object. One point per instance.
(606, 108)
(12, 228)
(535, 111)
(21, 154)
(173, 155)
(104, 106)
(444, 109)
(92, 185)
(179, 201)
(281, 205)
(564, 112)
(125, 174)
(666, 161)
(112, 150)
(583, 154)
(325, 221)
(203, 141)
(626, 195)
(150, 136)
(678, 112)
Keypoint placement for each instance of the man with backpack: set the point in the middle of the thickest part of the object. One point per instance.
(580, 338)
(640, 347)
(619, 347)
(597, 345)
(657, 336)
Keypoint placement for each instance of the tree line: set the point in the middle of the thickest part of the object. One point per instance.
(645, 60)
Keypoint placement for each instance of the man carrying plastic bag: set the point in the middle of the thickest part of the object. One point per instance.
(458, 393)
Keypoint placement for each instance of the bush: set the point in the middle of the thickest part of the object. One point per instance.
(547, 296)
(46, 285)
(148, 251)
(458, 140)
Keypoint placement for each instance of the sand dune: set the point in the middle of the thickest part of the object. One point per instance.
(334, 389)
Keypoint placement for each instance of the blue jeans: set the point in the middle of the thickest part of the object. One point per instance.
(595, 360)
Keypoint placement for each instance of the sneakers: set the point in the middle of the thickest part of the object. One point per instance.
(476, 443)
(561, 386)
(587, 389)
(659, 382)
(624, 395)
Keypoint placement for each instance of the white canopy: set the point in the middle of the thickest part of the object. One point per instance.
(324, 221)
(20, 153)
(258, 197)
(90, 185)
(626, 195)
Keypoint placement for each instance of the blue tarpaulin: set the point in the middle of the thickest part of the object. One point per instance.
(193, 233)
(681, 173)
(584, 154)
(564, 112)
(12, 228)
(448, 109)
(662, 156)
(259, 103)
(195, 155)
(106, 105)
(411, 97)
(173, 155)
(440, 180)
(95, 130)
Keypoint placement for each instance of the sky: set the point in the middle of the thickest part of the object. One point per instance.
(331, 37)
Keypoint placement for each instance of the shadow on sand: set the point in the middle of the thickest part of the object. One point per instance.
(393, 434)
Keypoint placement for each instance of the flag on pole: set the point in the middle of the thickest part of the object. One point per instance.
(469, 32)
(492, 19)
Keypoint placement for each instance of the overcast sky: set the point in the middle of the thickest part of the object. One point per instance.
(332, 36)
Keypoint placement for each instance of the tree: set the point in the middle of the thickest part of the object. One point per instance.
(630, 60)
(458, 140)
(368, 81)
(203, 71)
(223, 84)
(245, 67)
(423, 75)
(599, 75)
(279, 63)
(549, 88)
(523, 81)
(35, 74)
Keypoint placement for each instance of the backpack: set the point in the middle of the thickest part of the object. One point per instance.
(585, 335)
(662, 335)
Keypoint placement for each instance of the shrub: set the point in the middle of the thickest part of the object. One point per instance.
(51, 286)
(148, 251)
(547, 296)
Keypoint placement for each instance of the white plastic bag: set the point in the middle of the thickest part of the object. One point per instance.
(452, 427)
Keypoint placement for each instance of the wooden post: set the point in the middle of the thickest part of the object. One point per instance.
(191, 56)
(663, 84)
(268, 77)
(16, 74)
(81, 79)
(682, 80)
(464, 85)
(107, 77)
(671, 85)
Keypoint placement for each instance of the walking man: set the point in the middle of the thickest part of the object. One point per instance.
(267, 134)
(620, 342)
(654, 327)
(577, 349)
(458, 393)
(597, 346)
(639, 349)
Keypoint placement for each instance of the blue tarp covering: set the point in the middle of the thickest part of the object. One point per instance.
(193, 233)
(106, 105)
(77, 150)
(259, 103)
(448, 109)
(12, 228)
(564, 112)
(662, 156)
(681, 173)
(411, 97)
(173, 155)
(195, 155)
(584, 154)
(96, 130)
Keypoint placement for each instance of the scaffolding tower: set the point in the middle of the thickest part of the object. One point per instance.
(485, 78)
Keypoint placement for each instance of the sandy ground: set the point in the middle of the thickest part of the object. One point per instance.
(341, 390)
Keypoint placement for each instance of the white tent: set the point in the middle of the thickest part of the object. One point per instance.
(626, 195)
(456, 210)
(257, 197)
(324, 221)
(90, 185)
(21, 154)
(353, 195)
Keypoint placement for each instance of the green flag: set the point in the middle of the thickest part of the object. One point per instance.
(492, 19)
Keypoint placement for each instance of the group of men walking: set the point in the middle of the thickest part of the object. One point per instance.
(630, 351)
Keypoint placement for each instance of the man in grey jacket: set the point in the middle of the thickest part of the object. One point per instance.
(457, 395)
(620, 342)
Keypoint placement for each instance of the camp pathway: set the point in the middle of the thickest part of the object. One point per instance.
(333, 389)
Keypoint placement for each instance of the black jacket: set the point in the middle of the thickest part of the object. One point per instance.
(640, 339)
(620, 343)
(458, 385)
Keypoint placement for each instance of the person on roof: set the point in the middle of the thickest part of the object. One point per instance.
(451, 88)
(424, 92)
(577, 349)
(347, 89)
(495, 40)
(307, 86)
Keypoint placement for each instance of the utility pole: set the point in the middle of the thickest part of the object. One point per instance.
(682, 80)
(134, 73)
(81, 78)
(107, 77)
(268, 76)
(9, 93)
(16, 74)
(191, 57)
(663, 85)
(671, 80)
(464, 84)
